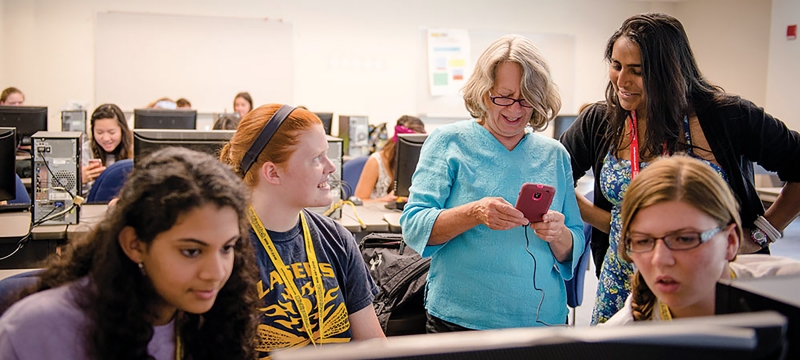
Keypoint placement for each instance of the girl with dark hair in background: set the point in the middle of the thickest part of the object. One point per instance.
(168, 274)
(658, 103)
(112, 140)
(242, 104)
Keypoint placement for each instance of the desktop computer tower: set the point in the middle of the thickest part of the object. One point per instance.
(354, 131)
(56, 175)
(335, 154)
(73, 120)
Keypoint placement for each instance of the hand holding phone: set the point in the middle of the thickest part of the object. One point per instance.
(93, 163)
(534, 200)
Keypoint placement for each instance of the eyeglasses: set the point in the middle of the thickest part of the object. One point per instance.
(679, 240)
(507, 101)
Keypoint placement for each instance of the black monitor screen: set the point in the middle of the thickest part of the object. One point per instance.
(27, 119)
(8, 157)
(408, 147)
(561, 123)
(164, 119)
(210, 142)
(327, 120)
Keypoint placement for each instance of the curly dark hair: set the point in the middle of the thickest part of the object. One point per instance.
(162, 187)
(125, 148)
(672, 82)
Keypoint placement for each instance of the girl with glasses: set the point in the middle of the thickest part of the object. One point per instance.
(681, 231)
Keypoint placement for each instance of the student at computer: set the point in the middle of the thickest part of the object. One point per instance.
(315, 287)
(12, 96)
(167, 274)
(112, 140)
(681, 230)
(226, 122)
(377, 177)
(242, 104)
(182, 103)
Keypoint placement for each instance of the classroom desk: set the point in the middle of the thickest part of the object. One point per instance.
(46, 238)
(393, 219)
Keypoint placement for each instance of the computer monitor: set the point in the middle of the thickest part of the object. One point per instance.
(8, 159)
(777, 293)
(210, 142)
(740, 336)
(327, 120)
(407, 155)
(27, 119)
(561, 123)
(164, 119)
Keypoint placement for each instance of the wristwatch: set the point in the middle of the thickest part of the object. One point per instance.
(759, 237)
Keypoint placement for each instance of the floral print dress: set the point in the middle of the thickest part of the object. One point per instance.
(614, 284)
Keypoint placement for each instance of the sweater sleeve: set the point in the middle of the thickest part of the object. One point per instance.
(430, 189)
(768, 141)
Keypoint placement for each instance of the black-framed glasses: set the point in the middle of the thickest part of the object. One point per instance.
(507, 101)
(678, 240)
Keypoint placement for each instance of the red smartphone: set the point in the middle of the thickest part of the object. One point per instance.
(534, 200)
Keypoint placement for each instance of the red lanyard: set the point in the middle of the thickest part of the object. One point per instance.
(634, 145)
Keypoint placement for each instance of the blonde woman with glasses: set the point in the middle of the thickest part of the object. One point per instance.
(681, 230)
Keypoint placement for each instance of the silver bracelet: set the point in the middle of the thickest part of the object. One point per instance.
(765, 226)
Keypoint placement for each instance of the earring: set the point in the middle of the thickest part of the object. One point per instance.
(141, 269)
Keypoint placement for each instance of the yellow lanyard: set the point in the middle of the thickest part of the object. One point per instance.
(664, 309)
(286, 275)
(178, 343)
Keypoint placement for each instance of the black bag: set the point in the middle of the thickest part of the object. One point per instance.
(401, 274)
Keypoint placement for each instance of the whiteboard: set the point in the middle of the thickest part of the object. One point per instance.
(142, 57)
(557, 49)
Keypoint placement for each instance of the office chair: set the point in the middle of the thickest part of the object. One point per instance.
(11, 286)
(351, 172)
(110, 182)
(575, 285)
(22, 196)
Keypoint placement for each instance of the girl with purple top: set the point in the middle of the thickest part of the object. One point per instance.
(167, 275)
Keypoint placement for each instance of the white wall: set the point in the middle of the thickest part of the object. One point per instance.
(783, 72)
(50, 55)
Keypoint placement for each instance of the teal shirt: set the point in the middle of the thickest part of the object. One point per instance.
(483, 278)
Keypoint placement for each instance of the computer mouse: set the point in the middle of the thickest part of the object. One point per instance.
(356, 200)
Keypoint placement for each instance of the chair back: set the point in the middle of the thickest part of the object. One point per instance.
(22, 196)
(110, 182)
(351, 172)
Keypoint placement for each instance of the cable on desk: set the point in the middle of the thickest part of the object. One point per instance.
(341, 203)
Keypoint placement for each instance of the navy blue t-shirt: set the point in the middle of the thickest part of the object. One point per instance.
(348, 285)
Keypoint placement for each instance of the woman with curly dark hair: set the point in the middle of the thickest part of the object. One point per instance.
(168, 274)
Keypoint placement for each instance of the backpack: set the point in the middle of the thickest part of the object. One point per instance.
(401, 274)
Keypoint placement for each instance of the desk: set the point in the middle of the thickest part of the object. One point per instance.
(769, 194)
(393, 219)
(371, 213)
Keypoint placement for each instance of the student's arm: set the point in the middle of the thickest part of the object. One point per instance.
(364, 324)
(368, 179)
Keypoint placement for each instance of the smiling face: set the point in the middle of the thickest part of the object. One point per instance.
(107, 133)
(507, 123)
(625, 73)
(241, 106)
(683, 280)
(304, 177)
(189, 263)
